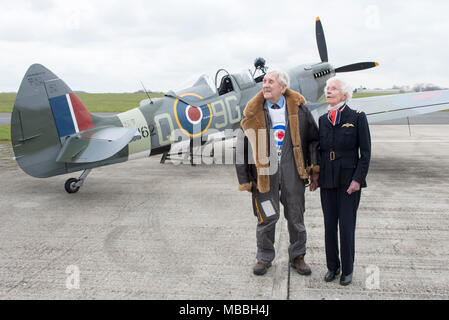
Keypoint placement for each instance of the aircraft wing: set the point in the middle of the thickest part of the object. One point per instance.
(95, 145)
(381, 108)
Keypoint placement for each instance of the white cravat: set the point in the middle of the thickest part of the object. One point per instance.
(330, 108)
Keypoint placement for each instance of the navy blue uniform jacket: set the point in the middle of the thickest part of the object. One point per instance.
(345, 150)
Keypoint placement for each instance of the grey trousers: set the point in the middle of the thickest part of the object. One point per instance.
(267, 209)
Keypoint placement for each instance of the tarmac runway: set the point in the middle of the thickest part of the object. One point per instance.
(431, 118)
(145, 230)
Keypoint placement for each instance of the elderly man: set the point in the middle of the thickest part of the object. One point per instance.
(280, 139)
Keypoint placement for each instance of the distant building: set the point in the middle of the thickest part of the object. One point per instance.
(377, 90)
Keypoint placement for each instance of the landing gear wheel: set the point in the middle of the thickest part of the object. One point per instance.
(73, 185)
(70, 185)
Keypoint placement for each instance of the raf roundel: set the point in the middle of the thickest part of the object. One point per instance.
(193, 121)
(279, 133)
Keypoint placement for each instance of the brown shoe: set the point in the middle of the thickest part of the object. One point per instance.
(301, 266)
(260, 268)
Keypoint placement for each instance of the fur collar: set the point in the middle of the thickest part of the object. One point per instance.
(255, 105)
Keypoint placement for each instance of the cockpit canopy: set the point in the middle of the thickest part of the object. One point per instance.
(243, 80)
(226, 82)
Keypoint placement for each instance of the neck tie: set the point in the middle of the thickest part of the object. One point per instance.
(275, 106)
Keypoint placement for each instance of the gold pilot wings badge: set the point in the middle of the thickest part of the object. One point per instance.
(347, 125)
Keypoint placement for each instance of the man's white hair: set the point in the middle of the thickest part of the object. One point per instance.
(283, 78)
(345, 88)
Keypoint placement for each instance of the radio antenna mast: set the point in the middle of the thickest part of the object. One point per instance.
(151, 101)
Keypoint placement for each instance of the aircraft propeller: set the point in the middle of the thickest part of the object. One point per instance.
(321, 40)
(322, 48)
(357, 66)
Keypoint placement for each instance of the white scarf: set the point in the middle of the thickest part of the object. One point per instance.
(330, 108)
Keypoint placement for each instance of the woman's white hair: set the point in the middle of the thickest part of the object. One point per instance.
(345, 88)
(283, 78)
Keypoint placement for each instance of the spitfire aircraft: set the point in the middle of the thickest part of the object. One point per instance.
(53, 133)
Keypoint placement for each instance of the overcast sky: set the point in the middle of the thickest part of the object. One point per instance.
(110, 46)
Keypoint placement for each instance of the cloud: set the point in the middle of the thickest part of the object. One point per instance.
(110, 46)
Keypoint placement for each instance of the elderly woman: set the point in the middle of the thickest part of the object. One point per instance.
(345, 149)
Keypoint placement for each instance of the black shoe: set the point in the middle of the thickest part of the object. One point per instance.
(345, 280)
(330, 275)
(261, 268)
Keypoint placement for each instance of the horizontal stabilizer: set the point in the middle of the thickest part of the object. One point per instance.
(95, 144)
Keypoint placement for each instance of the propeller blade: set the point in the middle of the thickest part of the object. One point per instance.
(357, 66)
(321, 41)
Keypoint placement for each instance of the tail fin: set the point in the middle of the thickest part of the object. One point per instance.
(69, 113)
(45, 112)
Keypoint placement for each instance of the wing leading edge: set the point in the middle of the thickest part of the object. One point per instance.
(397, 106)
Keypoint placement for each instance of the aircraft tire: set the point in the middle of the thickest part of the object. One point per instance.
(70, 185)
